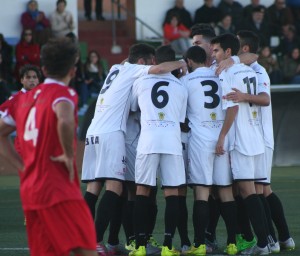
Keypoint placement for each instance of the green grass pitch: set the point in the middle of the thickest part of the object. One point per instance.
(13, 242)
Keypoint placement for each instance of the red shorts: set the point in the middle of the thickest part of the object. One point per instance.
(61, 228)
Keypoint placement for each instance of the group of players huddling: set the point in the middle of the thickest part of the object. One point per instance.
(207, 125)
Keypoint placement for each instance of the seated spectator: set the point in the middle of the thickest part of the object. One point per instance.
(278, 16)
(4, 90)
(207, 13)
(6, 60)
(270, 63)
(177, 34)
(291, 67)
(258, 25)
(182, 13)
(94, 72)
(36, 21)
(288, 41)
(233, 8)
(61, 20)
(247, 12)
(225, 25)
(27, 52)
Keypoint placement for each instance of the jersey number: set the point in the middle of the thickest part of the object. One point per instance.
(31, 132)
(155, 93)
(248, 82)
(211, 93)
(109, 80)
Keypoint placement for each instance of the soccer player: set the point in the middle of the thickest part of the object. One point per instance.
(162, 100)
(249, 43)
(30, 77)
(58, 219)
(247, 146)
(206, 117)
(104, 156)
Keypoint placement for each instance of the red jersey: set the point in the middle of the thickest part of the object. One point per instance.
(44, 182)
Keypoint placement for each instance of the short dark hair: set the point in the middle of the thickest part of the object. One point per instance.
(138, 51)
(227, 41)
(26, 68)
(204, 29)
(164, 53)
(249, 38)
(58, 56)
(196, 54)
(61, 1)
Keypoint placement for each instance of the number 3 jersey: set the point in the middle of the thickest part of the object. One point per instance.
(162, 100)
(247, 137)
(204, 109)
(113, 103)
(44, 182)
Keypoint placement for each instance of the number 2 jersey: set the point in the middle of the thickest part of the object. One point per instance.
(113, 103)
(44, 182)
(162, 100)
(247, 135)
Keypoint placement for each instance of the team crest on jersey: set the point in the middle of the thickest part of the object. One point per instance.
(161, 116)
(213, 116)
(101, 101)
(254, 114)
(72, 92)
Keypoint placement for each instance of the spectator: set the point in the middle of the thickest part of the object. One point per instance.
(270, 63)
(95, 72)
(177, 34)
(4, 91)
(182, 13)
(36, 21)
(278, 16)
(6, 60)
(88, 9)
(27, 52)
(225, 25)
(288, 41)
(62, 22)
(258, 25)
(247, 12)
(207, 13)
(235, 9)
(291, 67)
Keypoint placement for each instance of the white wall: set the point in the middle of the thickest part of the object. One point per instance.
(153, 12)
(11, 10)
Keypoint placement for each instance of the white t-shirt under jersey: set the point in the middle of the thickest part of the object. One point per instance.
(247, 136)
(162, 100)
(266, 112)
(113, 102)
(204, 109)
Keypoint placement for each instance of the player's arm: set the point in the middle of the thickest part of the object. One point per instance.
(7, 150)
(231, 113)
(64, 111)
(168, 66)
(262, 99)
(245, 58)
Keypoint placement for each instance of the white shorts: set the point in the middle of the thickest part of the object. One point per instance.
(130, 162)
(247, 167)
(268, 158)
(104, 157)
(170, 169)
(206, 168)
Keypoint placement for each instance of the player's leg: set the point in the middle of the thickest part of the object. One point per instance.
(91, 195)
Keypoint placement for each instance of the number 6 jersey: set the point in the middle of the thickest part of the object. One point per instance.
(162, 100)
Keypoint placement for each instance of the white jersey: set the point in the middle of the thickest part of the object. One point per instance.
(204, 109)
(113, 102)
(247, 136)
(133, 128)
(266, 112)
(162, 100)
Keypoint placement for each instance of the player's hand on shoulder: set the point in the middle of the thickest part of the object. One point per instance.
(224, 65)
(235, 96)
(69, 163)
